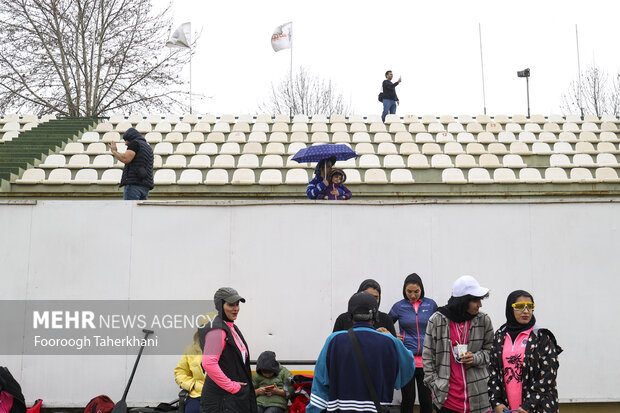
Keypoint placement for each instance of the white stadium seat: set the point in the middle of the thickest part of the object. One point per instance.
(32, 176)
(165, 177)
(453, 176)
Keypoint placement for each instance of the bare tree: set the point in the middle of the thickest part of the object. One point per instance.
(593, 94)
(307, 94)
(87, 57)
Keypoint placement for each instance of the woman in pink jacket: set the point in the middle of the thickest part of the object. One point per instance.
(226, 360)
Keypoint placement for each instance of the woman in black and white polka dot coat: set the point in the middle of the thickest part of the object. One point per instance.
(523, 361)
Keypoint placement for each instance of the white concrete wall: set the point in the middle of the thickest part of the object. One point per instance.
(297, 264)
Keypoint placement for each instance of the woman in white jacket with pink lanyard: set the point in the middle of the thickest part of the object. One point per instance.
(226, 360)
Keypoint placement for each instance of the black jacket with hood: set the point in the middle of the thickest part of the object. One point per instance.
(214, 399)
(140, 170)
(345, 320)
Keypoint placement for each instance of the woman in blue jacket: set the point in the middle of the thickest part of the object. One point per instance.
(412, 314)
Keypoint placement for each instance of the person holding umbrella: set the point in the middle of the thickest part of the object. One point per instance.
(319, 182)
(326, 155)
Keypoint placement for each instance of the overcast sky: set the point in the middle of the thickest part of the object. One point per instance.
(433, 45)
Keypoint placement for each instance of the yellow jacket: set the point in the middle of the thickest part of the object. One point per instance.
(188, 373)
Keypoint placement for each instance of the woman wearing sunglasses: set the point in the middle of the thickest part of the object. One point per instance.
(524, 361)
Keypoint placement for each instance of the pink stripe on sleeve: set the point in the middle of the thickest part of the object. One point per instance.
(214, 345)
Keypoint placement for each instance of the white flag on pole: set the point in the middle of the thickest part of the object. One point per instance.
(282, 37)
(182, 37)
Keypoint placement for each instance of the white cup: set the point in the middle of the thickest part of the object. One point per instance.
(461, 349)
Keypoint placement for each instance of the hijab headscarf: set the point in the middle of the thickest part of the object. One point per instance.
(456, 309)
(513, 327)
(370, 283)
(413, 279)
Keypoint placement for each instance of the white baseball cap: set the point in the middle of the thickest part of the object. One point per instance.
(468, 285)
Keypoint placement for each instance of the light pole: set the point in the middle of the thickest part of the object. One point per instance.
(526, 74)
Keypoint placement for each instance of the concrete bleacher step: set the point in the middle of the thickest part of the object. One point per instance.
(33, 144)
(405, 157)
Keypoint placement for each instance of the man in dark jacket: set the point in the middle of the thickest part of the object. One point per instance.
(138, 171)
(390, 100)
(338, 383)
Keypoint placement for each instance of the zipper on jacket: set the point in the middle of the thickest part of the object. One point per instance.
(417, 327)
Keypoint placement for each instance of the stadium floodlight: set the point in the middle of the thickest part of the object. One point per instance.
(526, 74)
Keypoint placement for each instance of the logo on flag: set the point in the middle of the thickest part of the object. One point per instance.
(282, 37)
(181, 37)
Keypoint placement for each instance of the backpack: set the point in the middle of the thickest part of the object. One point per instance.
(381, 97)
(99, 404)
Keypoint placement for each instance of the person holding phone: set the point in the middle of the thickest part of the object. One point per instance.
(390, 100)
(524, 361)
(272, 383)
(137, 175)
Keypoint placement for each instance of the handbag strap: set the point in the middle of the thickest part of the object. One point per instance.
(365, 374)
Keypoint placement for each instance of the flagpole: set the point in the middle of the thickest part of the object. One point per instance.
(291, 74)
(484, 98)
(190, 79)
(578, 72)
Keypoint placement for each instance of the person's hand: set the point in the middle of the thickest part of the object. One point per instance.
(325, 182)
(271, 390)
(400, 79)
(383, 330)
(397, 103)
(468, 358)
(500, 408)
(260, 391)
(335, 192)
(112, 146)
(520, 410)
(326, 197)
(399, 336)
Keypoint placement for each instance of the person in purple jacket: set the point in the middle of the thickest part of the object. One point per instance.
(412, 313)
(336, 189)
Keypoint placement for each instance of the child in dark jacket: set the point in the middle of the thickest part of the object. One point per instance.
(272, 384)
(336, 189)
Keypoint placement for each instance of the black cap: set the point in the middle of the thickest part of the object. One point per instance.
(363, 306)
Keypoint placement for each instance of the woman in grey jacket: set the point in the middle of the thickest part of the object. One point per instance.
(456, 351)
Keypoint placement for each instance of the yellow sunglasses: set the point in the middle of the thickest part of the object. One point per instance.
(521, 306)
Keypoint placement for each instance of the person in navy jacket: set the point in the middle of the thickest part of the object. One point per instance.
(412, 314)
(319, 182)
(338, 383)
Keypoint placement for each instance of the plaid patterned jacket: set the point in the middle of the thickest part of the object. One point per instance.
(540, 369)
(437, 354)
